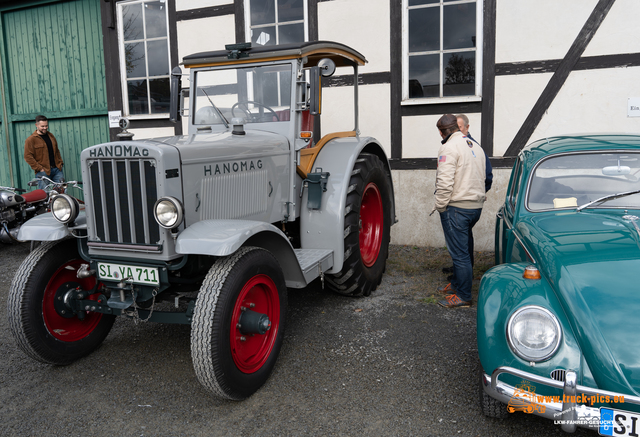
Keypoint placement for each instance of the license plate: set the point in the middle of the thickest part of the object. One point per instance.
(118, 272)
(618, 422)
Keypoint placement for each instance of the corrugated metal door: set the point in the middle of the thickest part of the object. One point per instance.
(52, 64)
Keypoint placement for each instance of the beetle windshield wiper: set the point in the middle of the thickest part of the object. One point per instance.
(222, 117)
(607, 198)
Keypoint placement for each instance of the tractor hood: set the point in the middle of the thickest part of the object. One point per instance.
(591, 260)
(225, 145)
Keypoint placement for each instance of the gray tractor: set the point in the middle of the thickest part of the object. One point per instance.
(209, 229)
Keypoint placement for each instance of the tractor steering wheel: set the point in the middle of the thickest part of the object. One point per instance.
(249, 115)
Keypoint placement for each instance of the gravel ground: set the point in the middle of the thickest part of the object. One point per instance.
(394, 363)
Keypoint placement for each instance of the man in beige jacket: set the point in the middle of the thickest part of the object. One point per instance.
(460, 194)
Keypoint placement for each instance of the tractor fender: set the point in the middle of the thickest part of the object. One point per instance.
(324, 228)
(44, 227)
(224, 237)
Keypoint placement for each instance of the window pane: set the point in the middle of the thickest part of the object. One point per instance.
(424, 30)
(459, 26)
(135, 59)
(422, 2)
(156, 18)
(459, 74)
(264, 36)
(137, 90)
(290, 10)
(285, 89)
(262, 12)
(291, 33)
(158, 52)
(132, 22)
(159, 89)
(424, 73)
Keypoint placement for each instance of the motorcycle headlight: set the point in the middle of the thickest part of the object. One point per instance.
(168, 212)
(64, 208)
(533, 333)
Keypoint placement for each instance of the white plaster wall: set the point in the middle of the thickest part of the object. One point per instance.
(593, 101)
(362, 25)
(414, 202)
(618, 31)
(142, 134)
(183, 5)
(421, 138)
(514, 98)
(528, 30)
(205, 34)
(375, 117)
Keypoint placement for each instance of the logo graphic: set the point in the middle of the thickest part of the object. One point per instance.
(524, 399)
(469, 143)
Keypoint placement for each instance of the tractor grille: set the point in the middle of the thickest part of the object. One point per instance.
(124, 193)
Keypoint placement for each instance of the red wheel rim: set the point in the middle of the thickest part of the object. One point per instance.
(371, 224)
(68, 329)
(251, 351)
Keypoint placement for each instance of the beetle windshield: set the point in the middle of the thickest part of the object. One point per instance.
(567, 181)
(256, 94)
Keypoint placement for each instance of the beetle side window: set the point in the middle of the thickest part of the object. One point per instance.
(515, 185)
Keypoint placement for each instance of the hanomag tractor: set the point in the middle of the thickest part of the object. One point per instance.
(211, 228)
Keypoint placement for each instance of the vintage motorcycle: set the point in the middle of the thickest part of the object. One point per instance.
(17, 206)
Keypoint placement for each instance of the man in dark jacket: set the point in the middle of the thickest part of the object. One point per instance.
(42, 154)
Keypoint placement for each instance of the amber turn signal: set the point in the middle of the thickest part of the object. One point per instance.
(306, 135)
(531, 272)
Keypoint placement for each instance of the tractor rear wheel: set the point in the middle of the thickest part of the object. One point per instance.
(367, 224)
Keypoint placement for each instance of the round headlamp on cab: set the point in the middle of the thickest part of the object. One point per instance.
(533, 333)
(168, 212)
(65, 208)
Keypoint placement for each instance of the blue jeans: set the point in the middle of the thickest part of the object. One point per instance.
(56, 176)
(457, 224)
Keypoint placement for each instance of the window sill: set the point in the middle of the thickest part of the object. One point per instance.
(438, 100)
(146, 116)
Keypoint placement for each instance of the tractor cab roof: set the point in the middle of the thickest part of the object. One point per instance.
(314, 51)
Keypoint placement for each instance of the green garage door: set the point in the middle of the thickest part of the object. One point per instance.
(52, 64)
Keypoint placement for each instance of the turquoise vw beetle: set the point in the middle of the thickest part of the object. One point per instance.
(559, 315)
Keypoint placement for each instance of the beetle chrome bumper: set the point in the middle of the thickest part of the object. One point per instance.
(570, 414)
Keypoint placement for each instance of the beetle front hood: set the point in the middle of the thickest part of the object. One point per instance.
(592, 261)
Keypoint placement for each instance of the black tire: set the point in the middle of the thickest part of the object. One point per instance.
(365, 257)
(226, 365)
(491, 407)
(39, 330)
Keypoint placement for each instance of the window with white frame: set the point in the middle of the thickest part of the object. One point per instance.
(271, 22)
(441, 59)
(143, 39)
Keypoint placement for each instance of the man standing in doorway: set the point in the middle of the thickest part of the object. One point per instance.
(42, 154)
(460, 194)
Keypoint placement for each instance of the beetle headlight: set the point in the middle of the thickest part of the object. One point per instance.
(64, 208)
(533, 333)
(168, 212)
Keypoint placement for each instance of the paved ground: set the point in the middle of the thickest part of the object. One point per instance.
(394, 363)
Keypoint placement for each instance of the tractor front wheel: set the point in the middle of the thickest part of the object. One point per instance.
(43, 327)
(238, 323)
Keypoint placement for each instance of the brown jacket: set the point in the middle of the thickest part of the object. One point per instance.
(37, 155)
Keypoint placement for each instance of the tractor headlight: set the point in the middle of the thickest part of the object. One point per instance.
(168, 212)
(64, 208)
(533, 333)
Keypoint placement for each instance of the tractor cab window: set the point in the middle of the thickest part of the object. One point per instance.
(257, 94)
